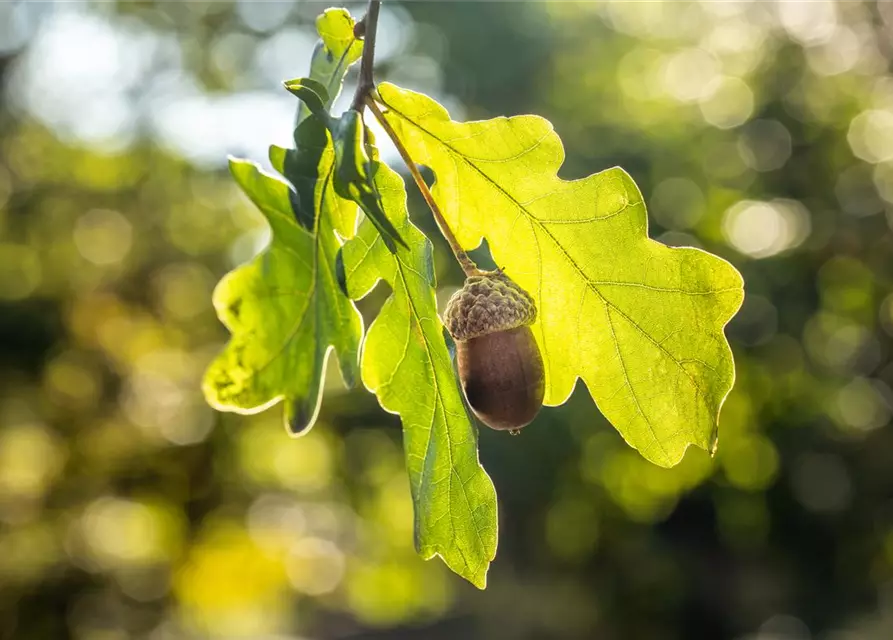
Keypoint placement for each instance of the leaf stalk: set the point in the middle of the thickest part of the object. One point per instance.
(467, 264)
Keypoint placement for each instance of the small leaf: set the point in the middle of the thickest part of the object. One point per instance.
(406, 363)
(311, 92)
(639, 322)
(337, 50)
(354, 172)
(284, 308)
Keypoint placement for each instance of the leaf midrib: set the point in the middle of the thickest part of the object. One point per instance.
(439, 405)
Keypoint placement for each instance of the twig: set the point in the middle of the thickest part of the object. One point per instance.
(366, 82)
(467, 264)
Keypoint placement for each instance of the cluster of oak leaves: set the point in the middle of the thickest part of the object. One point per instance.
(640, 323)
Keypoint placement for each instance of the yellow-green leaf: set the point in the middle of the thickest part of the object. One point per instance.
(285, 309)
(334, 53)
(406, 363)
(639, 322)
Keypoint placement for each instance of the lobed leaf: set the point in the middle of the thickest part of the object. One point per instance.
(639, 322)
(405, 362)
(285, 309)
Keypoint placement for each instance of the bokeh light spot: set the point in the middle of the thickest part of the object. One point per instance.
(750, 462)
(862, 405)
(847, 287)
(837, 55)
(387, 593)
(118, 531)
(729, 103)
(690, 74)
(315, 566)
(304, 465)
(677, 203)
(840, 344)
(30, 459)
(103, 237)
(183, 289)
(871, 135)
(572, 529)
(821, 482)
(229, 587)
(857, 193)
(763, 229)
(808, 22)
(765, 145)
(275, 521)
(72, 382)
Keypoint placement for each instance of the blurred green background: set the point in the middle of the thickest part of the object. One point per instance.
(761, 131)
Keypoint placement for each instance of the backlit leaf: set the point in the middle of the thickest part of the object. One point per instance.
(639, 322)
(406, 363)
(284, 308)
(334, 53)
(354, 171)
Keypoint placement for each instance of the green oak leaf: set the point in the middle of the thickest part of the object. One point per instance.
(354, 173)
(639, 322)
(406, 363)
(334, 53)
(285, 309)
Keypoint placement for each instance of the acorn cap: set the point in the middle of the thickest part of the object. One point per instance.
(488, 303)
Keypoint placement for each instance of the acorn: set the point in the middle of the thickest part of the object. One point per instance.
(500, 365)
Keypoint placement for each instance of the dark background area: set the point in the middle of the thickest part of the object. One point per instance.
(761, 131)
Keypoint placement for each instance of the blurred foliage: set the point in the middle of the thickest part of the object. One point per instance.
(758, 130)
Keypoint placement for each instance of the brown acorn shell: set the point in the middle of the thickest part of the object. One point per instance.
(500, 365)
(502, 377)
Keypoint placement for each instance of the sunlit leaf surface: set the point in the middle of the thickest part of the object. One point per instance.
(284, 308)
(639, 322)
(406, 363)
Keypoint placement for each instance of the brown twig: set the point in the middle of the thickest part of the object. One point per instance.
(366, 83)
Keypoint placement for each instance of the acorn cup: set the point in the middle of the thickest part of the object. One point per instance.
(500, 365)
